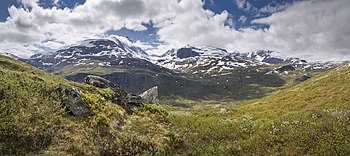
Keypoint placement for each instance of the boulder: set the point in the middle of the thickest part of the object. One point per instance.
(120, 94)
(70, 97)
(124, 99)
(133, 101)
(151, 95)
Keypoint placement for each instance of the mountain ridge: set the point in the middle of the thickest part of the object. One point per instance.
(191, 72)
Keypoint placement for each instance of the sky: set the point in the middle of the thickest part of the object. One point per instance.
(314, 29)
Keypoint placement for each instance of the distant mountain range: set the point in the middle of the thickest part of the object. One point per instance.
(186, 59)
(190, 71)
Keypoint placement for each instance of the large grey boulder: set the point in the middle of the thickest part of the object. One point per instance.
(151, 95)
(120, 94)
(70, 97)
(126, 100)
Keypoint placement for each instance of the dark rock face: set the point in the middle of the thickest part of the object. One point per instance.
(72, 100)
(285, 68)
(186, 52)
(151, 95)
(120, 94)
(126, 100)
(273, 60)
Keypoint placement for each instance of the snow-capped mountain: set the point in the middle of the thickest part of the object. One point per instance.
(10, 55)
(106, 51)
(271, 57)
(216, 60)
(201, 59)
(190, 71)
(112, 52)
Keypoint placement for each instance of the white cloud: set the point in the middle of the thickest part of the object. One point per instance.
(242, 19)
(56, 2)
(138, 43)
(311, 27)
(274, 8)
(317, 28)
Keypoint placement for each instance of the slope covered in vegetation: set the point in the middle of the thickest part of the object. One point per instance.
(33, 120)
(312, 118)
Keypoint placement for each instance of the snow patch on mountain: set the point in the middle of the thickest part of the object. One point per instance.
(10, 55)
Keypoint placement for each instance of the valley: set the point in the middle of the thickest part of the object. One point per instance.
(304, 119)
(215, 104)
(196, 73)
(174, 78)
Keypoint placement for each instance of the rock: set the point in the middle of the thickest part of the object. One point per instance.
(223, 111)
(71, 99)
(151, 95)
(285, 68)
(127, 101)
(133, 101)
(120, 94)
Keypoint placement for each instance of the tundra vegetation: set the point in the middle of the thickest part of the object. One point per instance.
(311, 118)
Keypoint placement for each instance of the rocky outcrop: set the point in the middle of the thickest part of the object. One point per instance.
(70, 97)
(133, 101)
(120, 94)
(285, 68)
(126, 100)
(151, 95)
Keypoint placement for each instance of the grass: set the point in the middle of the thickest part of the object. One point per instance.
(33, 121)
(312, 118)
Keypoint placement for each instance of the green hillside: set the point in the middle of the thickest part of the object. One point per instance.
(312, 118)
(33, 121)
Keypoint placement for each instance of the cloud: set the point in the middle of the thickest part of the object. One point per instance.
(138, 43)
(242, 18)
(244, 5)
(308, 28)
(56, 2)
(311, 27)
(316, 28)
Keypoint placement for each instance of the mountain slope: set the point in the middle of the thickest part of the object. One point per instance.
(33, 120)
(312, 118)
(190, 72)
(204, 60)
(101, 50)
(330, 89)
(125, 65)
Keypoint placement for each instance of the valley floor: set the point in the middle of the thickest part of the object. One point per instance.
(209, 128)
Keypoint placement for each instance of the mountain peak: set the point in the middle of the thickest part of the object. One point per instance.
(104, 50)
(10, 55)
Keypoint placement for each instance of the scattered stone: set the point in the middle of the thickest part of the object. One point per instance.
(151, 95)
(223, 111)
(71, 99)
